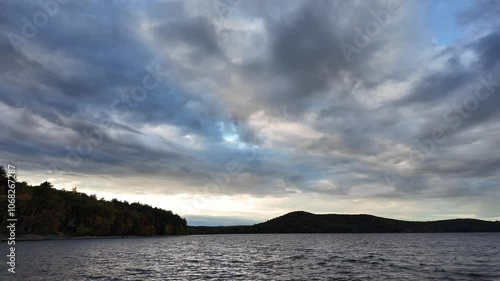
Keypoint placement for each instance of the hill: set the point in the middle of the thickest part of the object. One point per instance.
(304, 222)
(44, 210)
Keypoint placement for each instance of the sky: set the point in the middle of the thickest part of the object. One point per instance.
(234, 112)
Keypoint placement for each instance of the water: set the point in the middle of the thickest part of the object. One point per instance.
(452, 256)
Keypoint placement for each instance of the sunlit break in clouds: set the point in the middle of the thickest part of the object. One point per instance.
(233, 112)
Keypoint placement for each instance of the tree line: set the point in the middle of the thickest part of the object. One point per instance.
(44, 210)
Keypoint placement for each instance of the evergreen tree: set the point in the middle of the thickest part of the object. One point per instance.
(45, 210)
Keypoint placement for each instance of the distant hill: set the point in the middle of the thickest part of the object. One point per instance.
(304, 222)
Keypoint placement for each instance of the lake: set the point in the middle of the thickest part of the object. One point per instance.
(443, 256)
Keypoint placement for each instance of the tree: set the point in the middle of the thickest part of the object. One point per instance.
(3, 174)
(46, 184)
(3, 181)
(45, 210)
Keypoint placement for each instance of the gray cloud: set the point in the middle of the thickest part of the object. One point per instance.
(267, 88)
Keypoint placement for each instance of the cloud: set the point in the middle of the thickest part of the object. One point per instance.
(262, 101)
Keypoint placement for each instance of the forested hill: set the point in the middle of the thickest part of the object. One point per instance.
(45, 210)
(307, 222)
(304, 222)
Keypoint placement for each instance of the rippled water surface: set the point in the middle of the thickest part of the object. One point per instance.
(263, 257)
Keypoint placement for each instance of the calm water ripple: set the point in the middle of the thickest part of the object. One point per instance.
(446, 256)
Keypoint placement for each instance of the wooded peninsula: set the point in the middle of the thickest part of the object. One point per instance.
(44, 210)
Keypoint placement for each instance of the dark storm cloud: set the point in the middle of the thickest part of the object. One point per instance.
(487, 50)
(197, 32)
(306, 50)
(468, 95)
(113, 62)
(438, 86)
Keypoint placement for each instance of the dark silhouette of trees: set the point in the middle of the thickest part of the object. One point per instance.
(304, 222)
(3, 174)
(45, 210)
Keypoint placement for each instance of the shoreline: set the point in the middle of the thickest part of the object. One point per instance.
(36, 237)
